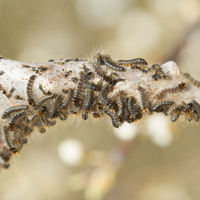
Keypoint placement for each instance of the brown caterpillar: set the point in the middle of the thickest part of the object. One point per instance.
(144, 99)
(5, 154)
(43, 99)
(191, 108)
(104, 98)
(67, 99)
(192, 80)
(54, 107)
(15, 117)
(175, 112)
(29, 90)
(196, 107)
(88, 104)
(10, 93)
(133, 109)
(88, 100)
(95, 108)
(13, 109)
(160, 106)
(127, 115)
(115, 121)
(159, 73)
(136, 61)
(175, 89)
(79, 89)
(101, 74)
(110, 63)
(8, 141)
(121, 108)
(116, 95)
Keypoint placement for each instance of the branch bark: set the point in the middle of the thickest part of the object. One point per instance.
(33, 95)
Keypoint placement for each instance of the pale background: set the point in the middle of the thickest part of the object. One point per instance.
(157, 30)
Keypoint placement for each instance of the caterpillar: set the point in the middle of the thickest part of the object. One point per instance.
(5, 154)
(29, 90)
(15, 117)
(121, 108)
(54, 107)
(13, 109)
(95, 108)
(175, 112)
(160, 106)
(110, 63)
(88, 103)
(67, 99)
(8, 141)
(136, 61)
(116, 95)
(101, 74)
(196, 107)
(115, 121)
(104, 98)
(79, 89)
(84, 114)
(9, 95)
(192, 80)
(144, 99)
(175, 89)
(88, 100)
(159, 73)
(43, 99)
(133, 109)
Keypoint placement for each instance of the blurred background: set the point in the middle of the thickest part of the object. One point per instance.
(152, 160)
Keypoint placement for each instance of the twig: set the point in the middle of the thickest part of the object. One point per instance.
(125, 91)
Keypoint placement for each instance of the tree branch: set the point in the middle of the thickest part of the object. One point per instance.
(33, 95)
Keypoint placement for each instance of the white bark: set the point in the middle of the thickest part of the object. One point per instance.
(16, 74)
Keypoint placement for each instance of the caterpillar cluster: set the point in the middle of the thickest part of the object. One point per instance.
(89, 96)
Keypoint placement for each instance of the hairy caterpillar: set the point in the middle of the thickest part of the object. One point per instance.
(136, 61)
(175, 89)
(115, 121)
(8, 140)
(160, 106)
(144, 99)
(13, 109)
(191, 79)
(104, 98)
(110, 63)
(29, 90)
